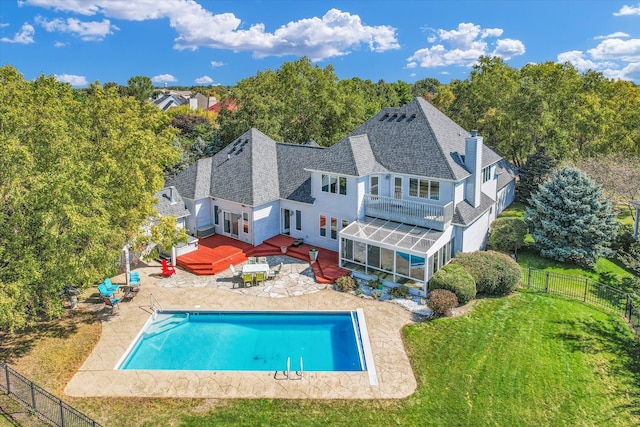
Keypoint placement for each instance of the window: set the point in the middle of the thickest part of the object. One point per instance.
(486, 174)
(434, 190)
(325, 183)
(417, 267)
(347, 249)
(323, 226)
(374, 185)
(398, 187)
(423, 188)
(360, 252)
(343, 185)
(245, 222)
(373, 256)
(334, 228)
(402, 263)
(334, 184)
(216, 215)
(345, 224)
(298, 220)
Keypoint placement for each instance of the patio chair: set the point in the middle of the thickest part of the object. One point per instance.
(247, 278)
(107, 289)
(262, 260)
(235, 274)
(168, 270)
(134, 279)
(251, 260)
(111, 302)
(260, 277)
(275, 272)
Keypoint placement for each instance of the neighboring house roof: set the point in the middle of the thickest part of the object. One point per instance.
(227, 103)
(170, 203)
(165, 102)
(415, 139)
(466, 214)
(506, 173)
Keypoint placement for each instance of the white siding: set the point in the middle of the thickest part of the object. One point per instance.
(506, 196)
(266, 222)
(475, 235)
(203, 213)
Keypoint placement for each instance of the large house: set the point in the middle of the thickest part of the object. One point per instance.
(396, 198)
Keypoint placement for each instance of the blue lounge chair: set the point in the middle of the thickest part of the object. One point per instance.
(107, 288)
(111, 302)
(134, 278)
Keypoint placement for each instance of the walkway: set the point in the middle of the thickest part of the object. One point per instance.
(97, 376)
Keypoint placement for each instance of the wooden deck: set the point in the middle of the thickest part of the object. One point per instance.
(215, 253)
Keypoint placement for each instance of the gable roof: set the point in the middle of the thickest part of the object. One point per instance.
(251, 170)
(415, 139)
(170, 203)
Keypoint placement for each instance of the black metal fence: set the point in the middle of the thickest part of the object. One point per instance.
(41, 402)
(588, 291)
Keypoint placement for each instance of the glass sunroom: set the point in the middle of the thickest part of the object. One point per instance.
(394, 252)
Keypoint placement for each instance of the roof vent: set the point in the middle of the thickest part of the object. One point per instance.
(401, 118)
(413, 116)
(392, 118)
(383, 118)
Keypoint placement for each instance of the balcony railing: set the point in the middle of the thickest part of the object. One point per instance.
(422, 214)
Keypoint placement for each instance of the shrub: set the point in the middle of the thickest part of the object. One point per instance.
(399, 292)
(456, 279)
(495, 273)
(346, 284)
(442, 301)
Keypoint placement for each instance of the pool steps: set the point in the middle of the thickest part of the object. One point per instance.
(286, 375)
(165, 325)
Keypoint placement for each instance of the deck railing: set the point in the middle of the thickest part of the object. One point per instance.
(423, 214)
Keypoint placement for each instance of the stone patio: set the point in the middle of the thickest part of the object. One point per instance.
(293, 289)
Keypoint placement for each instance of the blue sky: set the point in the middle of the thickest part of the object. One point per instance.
(188, 42)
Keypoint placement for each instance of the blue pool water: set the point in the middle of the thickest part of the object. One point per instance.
(248, 341)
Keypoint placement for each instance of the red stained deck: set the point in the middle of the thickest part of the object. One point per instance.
(215, 253)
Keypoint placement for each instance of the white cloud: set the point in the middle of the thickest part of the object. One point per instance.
(577, 59)
(464, 45)
(59, 44)
(628, 10)
(216, 64)
(508, 48)
(3, 24)
(88, 31)
(204, 80)
(24, 36)
(617, 49)
(72, 79)
(164, 78)
(612, 36)
(334, 34)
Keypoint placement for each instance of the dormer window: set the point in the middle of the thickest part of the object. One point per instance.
(334, 184)
(486, 174)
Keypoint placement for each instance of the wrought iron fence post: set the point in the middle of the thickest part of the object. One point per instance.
(546, 283)
(61, 412)
(6, 371)
(586, 285)
(33, 396)
(529, 278)
(628, 308)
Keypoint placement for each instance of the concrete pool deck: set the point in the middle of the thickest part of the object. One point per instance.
(294, 289)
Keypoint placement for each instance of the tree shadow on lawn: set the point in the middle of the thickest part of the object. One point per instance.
(19, 344)
(594, 337)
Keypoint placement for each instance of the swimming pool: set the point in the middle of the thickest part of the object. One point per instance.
(250, 341)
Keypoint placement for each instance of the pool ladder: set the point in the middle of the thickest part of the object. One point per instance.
(154, 304)
(286, 375)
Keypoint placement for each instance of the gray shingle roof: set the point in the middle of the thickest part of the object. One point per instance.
(465, 214)
(170, 203)
(415, 139)
(506, 173)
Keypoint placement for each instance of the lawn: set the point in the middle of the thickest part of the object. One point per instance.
(528, 359)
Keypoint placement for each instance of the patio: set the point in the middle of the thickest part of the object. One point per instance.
(294, 289)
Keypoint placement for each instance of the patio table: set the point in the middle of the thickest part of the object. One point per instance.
(255, 268)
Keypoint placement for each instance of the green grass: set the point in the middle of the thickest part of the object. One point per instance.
(529, 359)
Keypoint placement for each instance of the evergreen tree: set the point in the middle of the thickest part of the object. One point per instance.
(535, 171)
(568, 219)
